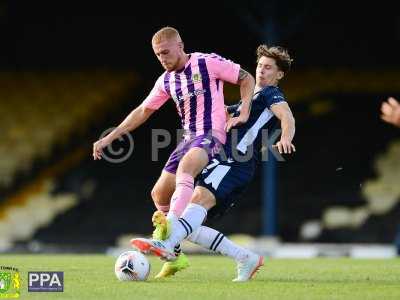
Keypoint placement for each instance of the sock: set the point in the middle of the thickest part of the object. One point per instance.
(163, 208)
(181, 196)
(214, 240)
(191, 219)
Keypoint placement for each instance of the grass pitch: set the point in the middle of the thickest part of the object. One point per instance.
(209, 277)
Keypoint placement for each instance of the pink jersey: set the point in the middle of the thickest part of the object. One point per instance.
(197, 91)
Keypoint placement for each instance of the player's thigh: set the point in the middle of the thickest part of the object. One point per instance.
(203, 197)
(164, 188)
(193, 161)
(226, 182)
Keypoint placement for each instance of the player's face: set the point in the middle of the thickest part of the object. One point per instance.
(267, 72)
(169, 53)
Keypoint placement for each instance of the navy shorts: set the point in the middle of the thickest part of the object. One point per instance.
(226, 179)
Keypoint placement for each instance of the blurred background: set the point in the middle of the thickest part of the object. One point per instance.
(69, 71)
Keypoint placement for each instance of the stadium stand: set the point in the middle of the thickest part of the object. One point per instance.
(42, 110)
(44, 117)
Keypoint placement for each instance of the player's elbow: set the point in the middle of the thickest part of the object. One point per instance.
(287, 119)
(145, 112)
(248, 81)
(290, 118)
(283, 113)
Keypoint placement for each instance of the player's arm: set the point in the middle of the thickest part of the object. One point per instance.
(157, 97)
(284, 114)
(247, 83)
(136, 118)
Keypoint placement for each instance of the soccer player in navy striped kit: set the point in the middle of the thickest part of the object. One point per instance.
(232, 170)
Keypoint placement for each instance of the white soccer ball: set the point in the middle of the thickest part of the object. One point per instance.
(132, 266)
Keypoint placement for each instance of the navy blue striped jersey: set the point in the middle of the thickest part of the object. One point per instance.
(249, 136)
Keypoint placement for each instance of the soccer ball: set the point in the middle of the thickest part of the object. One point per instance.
(132, 266)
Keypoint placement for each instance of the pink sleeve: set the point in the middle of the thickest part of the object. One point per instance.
(223, 69)
(158, 96)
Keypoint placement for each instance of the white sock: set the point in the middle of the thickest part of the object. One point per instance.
(171, 217)
(214, 240)
(191, 219)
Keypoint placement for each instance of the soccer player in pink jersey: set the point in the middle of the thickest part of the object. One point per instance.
(195, 83)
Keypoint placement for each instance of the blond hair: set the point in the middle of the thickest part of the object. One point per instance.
(166, 33)
(279, 54)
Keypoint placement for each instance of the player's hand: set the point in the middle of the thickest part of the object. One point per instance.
(285, 146)
(232, 122)
(98, 148)
(391, 112)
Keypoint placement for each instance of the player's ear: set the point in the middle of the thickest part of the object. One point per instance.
(280, 75)
(181, 45)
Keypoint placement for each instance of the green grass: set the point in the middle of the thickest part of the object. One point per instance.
(209, 277)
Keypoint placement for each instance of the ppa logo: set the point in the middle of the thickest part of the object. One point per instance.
(45, 281)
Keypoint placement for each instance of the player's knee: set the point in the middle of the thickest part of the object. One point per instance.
(203, 197)
(158, 196)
